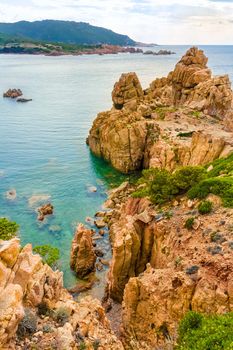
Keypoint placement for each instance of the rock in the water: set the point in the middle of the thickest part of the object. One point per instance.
(23, 100)
(100, 223)
(82, 259)
(13, 93)
(45, 210)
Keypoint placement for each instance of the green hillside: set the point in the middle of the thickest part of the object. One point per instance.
(66, 32)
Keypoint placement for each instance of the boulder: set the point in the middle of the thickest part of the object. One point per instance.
(45, 210)
(13, 93)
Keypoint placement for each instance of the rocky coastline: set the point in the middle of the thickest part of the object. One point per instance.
(170, 232)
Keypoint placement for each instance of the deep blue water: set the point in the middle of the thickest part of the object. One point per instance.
(42, 143)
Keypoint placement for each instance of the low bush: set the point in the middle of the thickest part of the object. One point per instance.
(189, 223)
(28, 325)
(49, 254)
(198, 332)
(61, 315)
(205, 207)
(8, 229)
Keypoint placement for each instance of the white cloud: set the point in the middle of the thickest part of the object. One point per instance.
(162, 21)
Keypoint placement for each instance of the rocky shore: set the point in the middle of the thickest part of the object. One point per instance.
(170, 232)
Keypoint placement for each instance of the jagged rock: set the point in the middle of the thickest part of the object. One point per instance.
(82, 259)
(23, 100)
(160, 293)
(45, 210)
(135, 134)
(13, 93)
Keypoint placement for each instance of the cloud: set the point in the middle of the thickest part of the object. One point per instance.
(162, 21)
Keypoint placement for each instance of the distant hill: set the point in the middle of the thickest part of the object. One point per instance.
(65, 32)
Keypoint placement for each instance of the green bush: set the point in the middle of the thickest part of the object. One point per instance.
(161, 185)
(221, 166)
(8, 229)
(49, 254)
(220, 186)
(61, 315)
(189, 223)
(205, 207)
(198, 332)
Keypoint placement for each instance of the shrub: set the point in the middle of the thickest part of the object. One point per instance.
(221, 165)
(220, 186)
(43, 309)
(8, 229)
(198, 332)
(61, 315)
(49, 254)
(205, 207)
(28, 325)
(189, 223)
(185, 134)
(188, 176)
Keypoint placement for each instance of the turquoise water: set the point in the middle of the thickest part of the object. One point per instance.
(42, 143)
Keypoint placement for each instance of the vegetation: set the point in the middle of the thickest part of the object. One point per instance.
(49, 254)
(61, 315)
(162, 186)
(199, 332)
(185, 134)
(162, 111)
(68, 32)
(8, 229)
(28, 325)
(189, 223)
(205, 207)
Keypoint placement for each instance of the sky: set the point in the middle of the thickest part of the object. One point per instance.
(150, 21)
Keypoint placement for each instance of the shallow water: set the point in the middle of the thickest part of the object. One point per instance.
(42, 143)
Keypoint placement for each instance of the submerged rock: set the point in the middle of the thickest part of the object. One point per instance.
(23, 100)
(11, 194)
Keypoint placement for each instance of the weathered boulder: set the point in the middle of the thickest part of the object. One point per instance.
(82, 258)
(127, 92)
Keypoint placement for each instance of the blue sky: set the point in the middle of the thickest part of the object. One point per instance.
(158, 21)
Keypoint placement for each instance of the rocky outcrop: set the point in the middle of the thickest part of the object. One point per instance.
(45, 210)
(143, 128)
(83, 257)
(161, 269)
(24, 280)
(37, 312)
(13, 93)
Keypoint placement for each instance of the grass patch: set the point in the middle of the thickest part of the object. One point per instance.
(205, 207)
(162, 111)
(199, 332)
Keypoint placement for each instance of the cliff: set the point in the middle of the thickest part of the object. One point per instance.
(183, 119)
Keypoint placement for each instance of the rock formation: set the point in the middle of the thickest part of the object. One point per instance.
(161, 269)
(31, 290)
(83, 257)
(13, 93)
(45, 210)
(143, 128)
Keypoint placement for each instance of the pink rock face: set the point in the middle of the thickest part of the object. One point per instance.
(82, 259)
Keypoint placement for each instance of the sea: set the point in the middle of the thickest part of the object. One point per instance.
(43, 151)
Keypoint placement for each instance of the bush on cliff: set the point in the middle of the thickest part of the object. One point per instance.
(161, 185)
(49, 254)
(8, 229)
(199, 332)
